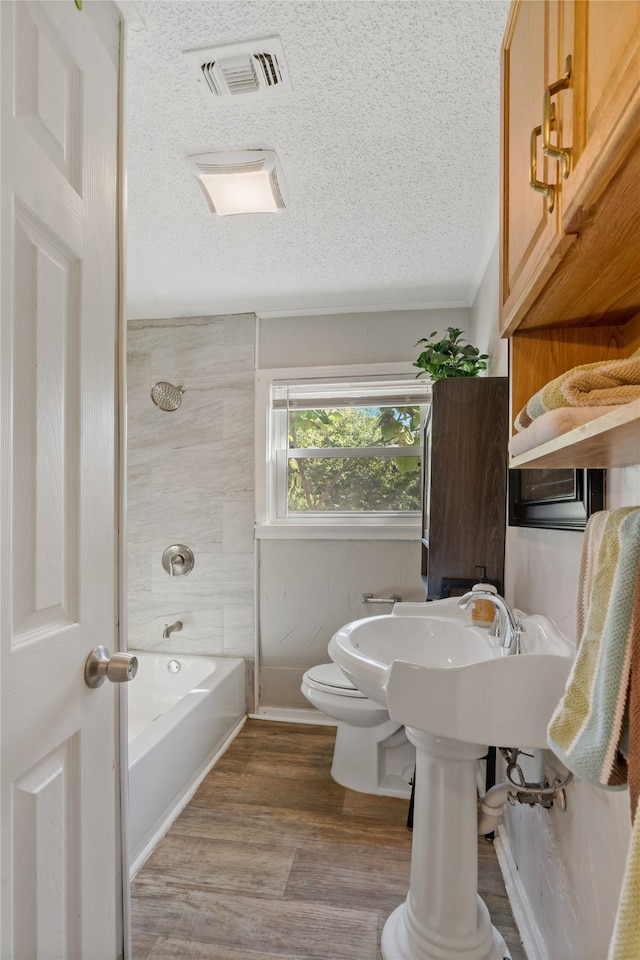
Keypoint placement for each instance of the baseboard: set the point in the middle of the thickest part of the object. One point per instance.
(293, 715)
(532, 939)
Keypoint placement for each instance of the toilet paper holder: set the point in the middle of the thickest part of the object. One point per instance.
(369, 598)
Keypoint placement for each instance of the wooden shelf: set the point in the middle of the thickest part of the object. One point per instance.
(609, 441)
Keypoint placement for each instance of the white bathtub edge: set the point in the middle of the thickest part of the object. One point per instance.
(186, 796)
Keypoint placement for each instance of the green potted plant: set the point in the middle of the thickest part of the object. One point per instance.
(449, 357)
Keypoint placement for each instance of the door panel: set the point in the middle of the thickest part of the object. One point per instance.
(58, 350)
(46, 832)
(48, 93)
(45, 396)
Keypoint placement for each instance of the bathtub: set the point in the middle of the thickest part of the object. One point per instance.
(183, 711)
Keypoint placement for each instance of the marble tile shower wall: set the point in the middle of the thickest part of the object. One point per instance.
(190, 481)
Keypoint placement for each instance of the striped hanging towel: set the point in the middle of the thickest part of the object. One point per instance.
(595, 729)
(589, 730)
(625, 941)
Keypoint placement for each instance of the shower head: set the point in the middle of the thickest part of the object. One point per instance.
(166, 396)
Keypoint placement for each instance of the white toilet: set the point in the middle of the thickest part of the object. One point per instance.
(372, 753)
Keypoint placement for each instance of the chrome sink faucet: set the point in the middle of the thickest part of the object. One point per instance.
(508, 629)
(170, 627)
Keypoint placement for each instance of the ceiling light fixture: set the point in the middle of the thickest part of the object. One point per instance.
(240, 181)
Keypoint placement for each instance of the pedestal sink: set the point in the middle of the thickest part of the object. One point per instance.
(457, 691)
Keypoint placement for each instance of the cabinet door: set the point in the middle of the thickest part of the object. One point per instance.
(596, 118)
(531, 239)
(599, 113)
(467, 492)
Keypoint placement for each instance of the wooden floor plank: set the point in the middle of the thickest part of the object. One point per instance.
(142, 945)
(358, 876)
(254, 823)
(272, 859)
(285, 928)
(172, 949)
(367, 805)
(224, 865)
(302, 783)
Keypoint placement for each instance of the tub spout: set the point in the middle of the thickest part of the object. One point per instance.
(170, 627)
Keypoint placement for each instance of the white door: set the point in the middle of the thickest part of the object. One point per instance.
(58, 336)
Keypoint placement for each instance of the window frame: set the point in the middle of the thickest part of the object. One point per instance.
(332, 525)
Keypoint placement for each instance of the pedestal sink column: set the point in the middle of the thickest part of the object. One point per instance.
(443, 918)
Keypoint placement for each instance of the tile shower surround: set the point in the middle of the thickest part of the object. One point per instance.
(190, 480)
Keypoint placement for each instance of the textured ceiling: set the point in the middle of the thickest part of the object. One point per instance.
(388, 142)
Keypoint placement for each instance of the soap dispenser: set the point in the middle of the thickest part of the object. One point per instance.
(483, 611)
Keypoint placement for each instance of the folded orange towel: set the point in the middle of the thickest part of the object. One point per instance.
(615, 382)
(601, 383)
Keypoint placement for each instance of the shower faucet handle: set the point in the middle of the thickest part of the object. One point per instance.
(178, 560)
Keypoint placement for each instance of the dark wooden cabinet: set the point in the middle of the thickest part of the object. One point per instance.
(465, 487)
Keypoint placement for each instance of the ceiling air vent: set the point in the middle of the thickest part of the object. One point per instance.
(255, 67)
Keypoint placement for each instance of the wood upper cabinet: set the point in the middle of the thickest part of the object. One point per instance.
(570, 256)
(532, 240)
(594, 118)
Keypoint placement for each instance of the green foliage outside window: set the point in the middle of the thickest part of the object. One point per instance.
(375, 483)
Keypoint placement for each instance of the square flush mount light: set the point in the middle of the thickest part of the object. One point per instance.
(240, 181)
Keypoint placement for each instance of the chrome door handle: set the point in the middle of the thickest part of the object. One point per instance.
(101, 666)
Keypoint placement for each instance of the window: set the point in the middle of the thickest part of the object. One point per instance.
(346, 451)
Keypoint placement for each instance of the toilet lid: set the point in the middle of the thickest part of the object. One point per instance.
(330, 676)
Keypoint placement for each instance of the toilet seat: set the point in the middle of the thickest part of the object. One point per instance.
(329, 678)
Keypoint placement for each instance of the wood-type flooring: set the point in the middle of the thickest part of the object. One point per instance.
(271, 859)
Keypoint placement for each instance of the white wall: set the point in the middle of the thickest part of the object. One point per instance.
(484, 329)
(309, 588)
(351, 338)
(190, 480)
(569, 864)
